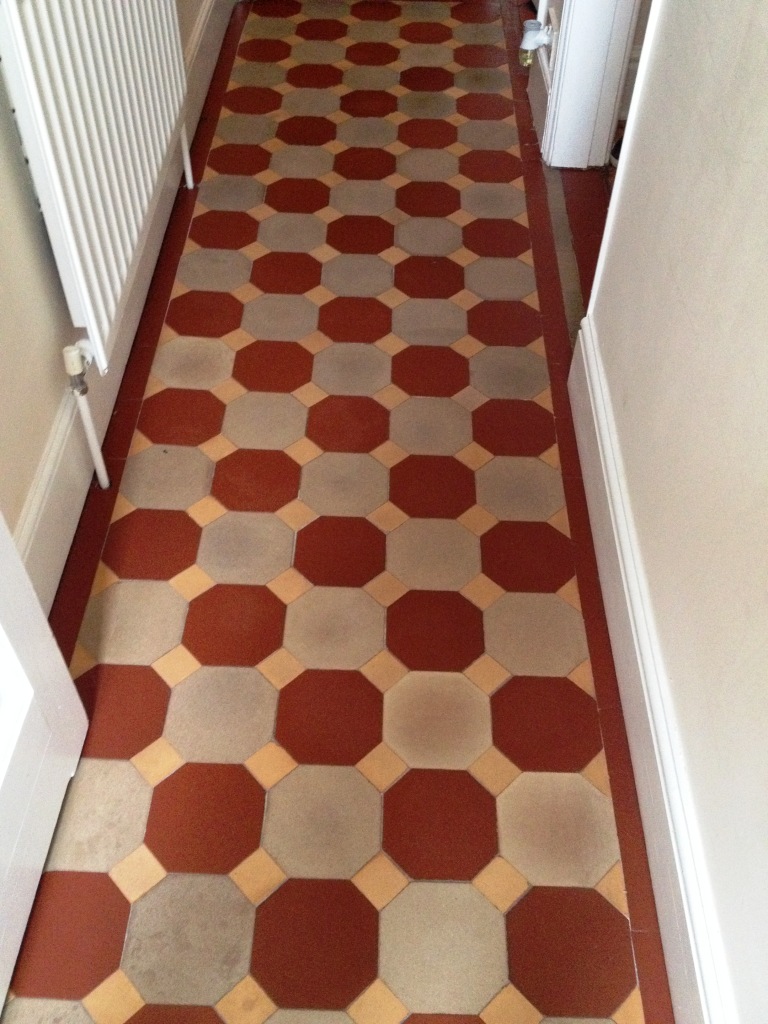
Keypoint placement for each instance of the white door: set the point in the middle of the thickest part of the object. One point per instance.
(577, 86)
(42, 728)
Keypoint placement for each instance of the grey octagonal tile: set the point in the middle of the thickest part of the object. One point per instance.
(365, 198)
(431, 426)
(133, 622)
(492, 80)
(508, 372)
(437, 720)
(44, 1011)
(358, 275)
(221, 715)
(493, 200)
(334, 627)
(362, 76)
(246, 129)
(193, 363)
(341, 484)
(496, 278)
(535, 634)
(312, 1017)
(265, 419)
(280, 317)
(427, 165)
(323, 822)
(189, 940)
(231, 192)
(442, 948)
(557, 829)
(488, 135)
(258, 74)
(429, 322)
(268, 28)
(436, 105)
(292, 232)
(103, 817)
(352, 369)
(214, 270)
(433, 554)
(425, 55)
(167, 476)
(367, 131)
(311, 102)
(519, 488)
(302, 162)
(246, 547)
(429, 236)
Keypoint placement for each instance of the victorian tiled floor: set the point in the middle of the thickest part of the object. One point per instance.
(345, 761)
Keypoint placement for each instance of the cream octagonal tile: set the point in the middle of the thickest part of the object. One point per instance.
(437, 720)
(265, 420)
(344, 484)
(133, 622)
(511, 487)
(323, 822)
(186, 362)
(431, 426)
(433, 554)
(245, 547)
(535, 634)
(334, 627)
(557, 829)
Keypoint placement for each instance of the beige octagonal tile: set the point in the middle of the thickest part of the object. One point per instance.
(433, 554)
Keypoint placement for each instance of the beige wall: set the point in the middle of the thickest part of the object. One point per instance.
(189, 12)
(34, 327)
(680, 314)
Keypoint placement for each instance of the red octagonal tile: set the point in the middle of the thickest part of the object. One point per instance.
(315, 944)
(329, 717)
(126, 707)
(234, 625)
(489, 165)
(321, 28)
(432, 486)
(74, 937)
(256, 481)
(375, 10)
(364, 164)
(425, 32)
(348, 424)
(532, 557)
(205, 818)
(429, 370)
(478, 12)
(428, 199)
(482, 106)
(513, 427)
(235, 159)
(286, 273)
(250, 99)
(488, 237)
(545, 724)
(340, 551)
(265, 51)
(151, 544)
(306, 131)
(426, 79)
(273, 366)
(206, 314)
(314, 76)
(504, 323)
(375, 54)
(297, 195)
(360, 234)
(368, 103)
(429, 277)
(440, 824)
(427, 133)
(477, 55)
(435, 630)
(570, 952)
(224, 229)
(359, 320)
(181, 416)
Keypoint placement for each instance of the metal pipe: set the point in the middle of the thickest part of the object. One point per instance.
(76, 362)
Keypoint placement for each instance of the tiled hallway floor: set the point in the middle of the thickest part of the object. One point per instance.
(345, 760)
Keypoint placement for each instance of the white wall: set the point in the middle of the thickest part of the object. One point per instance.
(676, 347)
(44, 464)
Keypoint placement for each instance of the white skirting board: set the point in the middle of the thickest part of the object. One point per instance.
(697, 969)
(52, 510)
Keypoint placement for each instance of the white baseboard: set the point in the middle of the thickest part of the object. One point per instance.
(696, 965)
(51, 512)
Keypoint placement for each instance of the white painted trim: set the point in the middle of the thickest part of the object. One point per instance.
(629, 84)
(202, 52)
(697, 966)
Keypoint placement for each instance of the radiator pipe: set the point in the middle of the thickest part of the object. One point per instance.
(76, 362)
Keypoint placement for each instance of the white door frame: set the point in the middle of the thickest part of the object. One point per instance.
(590, 68)
(42, 728)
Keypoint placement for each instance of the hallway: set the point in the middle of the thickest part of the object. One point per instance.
(346, 762)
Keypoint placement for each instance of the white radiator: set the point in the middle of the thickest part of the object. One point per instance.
(99, 89)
